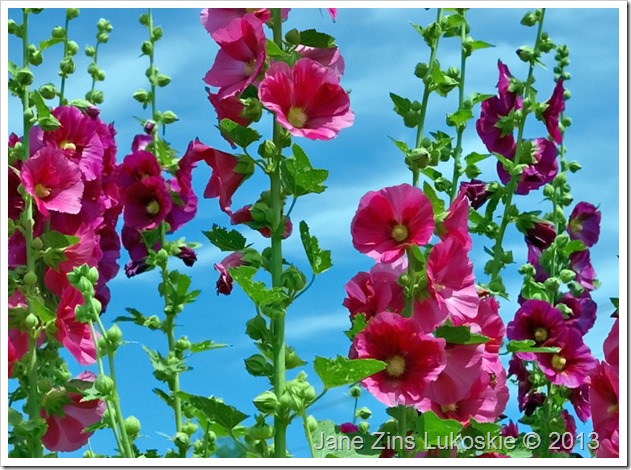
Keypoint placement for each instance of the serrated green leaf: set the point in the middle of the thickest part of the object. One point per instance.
(43, 112)
(41, 310)
(475, 45)
(573, 246)
(475, 157)
(256, 290)
(338, 445)
(343, 371)
(15, 417)
(437, 203)
(476, 98)
(313, 38)
(528, 345)
(206, 345)
(225, 240)
(58, 240)
(359, 323)
(43, 45)
(240, 135)
(430, 427)
(401, 145)
(226, 416)
(300, 177)
(12, 68)
(459, 335)
(401, 105)
(459, 117)
(320, 260)
(432, 174)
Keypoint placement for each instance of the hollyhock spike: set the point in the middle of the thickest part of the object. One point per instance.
(584, 224)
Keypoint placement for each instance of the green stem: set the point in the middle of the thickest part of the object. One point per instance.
(94, 60)
(402, 427)
(514, 181)
(154, 108)
(460, 131)
(63, 75)
(355, 410)
(409, 298)
(278, 323)
(308, 433)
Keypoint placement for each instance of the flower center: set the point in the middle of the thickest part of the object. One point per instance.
(541, 335)
(395, 366)
(68, 146)
(576, 225)
(449, 408)
(41, 191)
(249, 67)
(612, 409)
(296, 117)
(558, 362)
(153, 207)
(400, 233)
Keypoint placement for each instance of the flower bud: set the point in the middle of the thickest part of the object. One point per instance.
(35, 57)
(144, 19)
(73, 48)
(363, 427)
(525, 53)
(67, 65)
(293, 279)
(30, 279)
(363, 413)
(114, 335)
(292, 360)
(44, 385)
(72, 13)
(181, 440)
(156, 33)
(527, 270)
(420, 70)
(552, 283)
(14, 28)
(132, 426)
(58, 32)
(162, 80)
(149, 127)
(183, 344)
(548, 191)
(169, 117)
(103, 346)
(574, 166)
(90, 51)
(100, 75)
(48, 91)
(102, 37)
(355, 391)
(153, 322)
(293, 37)
(147, 48)
(24, 77)
(85, 287)
(104, 385)
(567, 275)
(256, 365)
(268, 149)
(104, 25)
(530, 19)
(189, 428)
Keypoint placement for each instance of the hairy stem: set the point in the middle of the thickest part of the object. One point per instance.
(63, 75)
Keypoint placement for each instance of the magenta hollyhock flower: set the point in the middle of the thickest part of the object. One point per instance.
(539, 321)
(583, 311)
(413, 359)
(476, 191)
(132, 241)
(333, 13)
(493, 110)
(456, 224)
(584, 224)
(240, 58)
(225, 281)
(16, 201)
(306, 99)
(65, 433)
(53, 181)
(229, 108)
(536, 174)
(109, 244)
(510, 429)
(529, 401)
(137, 166)
(541, 234)
(374, 292)
(609, 447)
(330, 57)
(572, 364)
(348, 428)
(604, 399)
(147, 203)
(611, 346)
(12, 356)
(74, 335)
(187, 255)
(516, 367)
(579, 398)
(244, 216)
(556, 106)
(391, 219)
(225, 178)
(141, 142)
(534, 255)
(493, 455)
(580, 263)
(217, 19)
(184, 207)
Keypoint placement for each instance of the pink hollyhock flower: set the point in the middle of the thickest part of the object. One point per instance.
(330, 57)
(65, 432)
(391, 219)
(579, 397)
(16, 202)
(510, 430)
(556, 106)
(374, 292)
(413, 359)
(12, 356)
(240, 58)
(456, 224)
(53, 181)
(539, 321)
(141, 142)
(493, 109)
(541, 234)
(493, 455)
(604, 399)
(580, 263)
(611, 346)
(147, 203)
(536, 174)
(137, 166)
(225, 281)
(184, 207)
(225, 178)
(476, 191)
(229, 108)
(609, 447)
(583, 311)
(74, 335)
(584, 224)
(348, 428)
(333, 13)
(217, 19)
(307, 99)
(572, 364)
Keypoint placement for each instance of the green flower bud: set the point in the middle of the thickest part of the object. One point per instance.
(257, 365)
(104, 385)
(73, 48)
(574, 166)
(189, 428)
(58, 32)
(567, 275)
(147, 48)
(95, 306)
(292, 360)
(92, 275)
(552, 283)
(142, 96)
(261, 432)
(24, 77)
(530, 19)
(525, 53)
(162, 80)
(72, 13)
(85, 287)
(132, 426)
(211, 436)
(363, 413)
(153, 322)
(410, 119)
(268, 149)
(181, 440)
(14, 28)
(90, 51)
(252, 109)
(169, 117)
(293, 37)
(102, 37)
(566, 121)
(114, 335)
(548, 191)
(44, 385)
(36, 58)
(472, 171)
(67, 65)
(30, 279)
(355, 391)
(96, 97)
(527, 270)
(363, 427)
(565, 310)
(48, 123)
(88, 454)
(420, 70)
(48, 91)
(293, 279)
(567, 94)
(442, 184)
(144, 19)
(104, 25)
(156, 34)
(199, 447)
(183, 344)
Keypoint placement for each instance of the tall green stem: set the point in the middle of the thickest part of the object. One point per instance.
(63, 75)
(308, 434)
(95, 59)
(278, 322)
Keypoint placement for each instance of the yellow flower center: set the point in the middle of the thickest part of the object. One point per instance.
(41, 191)
(68, 146)
(576, 225)
(449, 408)
(400, 233)
(558, 362)
(541, 335)
(612, 409)
(153, 207)
(395, 366)
(249, 67)
(297, 117)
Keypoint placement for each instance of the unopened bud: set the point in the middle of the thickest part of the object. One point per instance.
(104, 385)
(132, 426)
(58, 32)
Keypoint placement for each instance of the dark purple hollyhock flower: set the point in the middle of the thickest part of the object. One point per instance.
(187, 255)
(581, 264)
(584, 224)
(147, 203)
(579, 397)
(535, 174)
(225, 281)
(583, 311)
(556, 105)
(541, 234)
(476, 191)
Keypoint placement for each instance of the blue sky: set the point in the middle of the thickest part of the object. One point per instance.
(380, 50)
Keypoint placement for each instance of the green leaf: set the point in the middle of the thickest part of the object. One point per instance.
(43, 112)
(57, 240)
(437, 203)
(459, 117)
(12, 68)
(339, 445)
(459, 335)
(43, 45)
(343, 371)
(313, 38)
(141, 320)
(240, 135)
(300, 177)
(359, 323)
(206, 345)
(474, 158)
(401, 145)
(41, 310)
(573, 247)
(475, 45)
(320, 260)
(256, 290)
(401, 105)
(225, 240)
(476, 98)
(15, 417)
(224, 415)
(430, 428)
(528, 345)
(432, 174)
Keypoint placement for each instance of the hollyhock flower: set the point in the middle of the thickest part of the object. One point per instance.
(609, 447)
(583, 311)
(229, 108)
(493, 110)
(510, 430)
(240, 58)
(53, 181)
(374, 292)
(348, 428)
(476, 191)
(187, 255)
(493, 455)
(536, 320)
(580, 263)
(330, 57)
(307, 99)
(579, 397)
(12, 356)
(182, 186)
(456, 224)
(141, 142)
(604, 399)
(541, 234)
(584, 224)
(534, 255)
(391, 219)
(225, 281)
(109, 244)
(147, 203)
(267, 232)
(16, 202)
(611, 346)
(333, 13)
(516, 367)
(572, 364)
(244, 216)
(137, 166)
(556, 106)
(536, 174)
(413, 359)
(74, 335)
(65, 432)
(529, 402)
(216, 19)
(225, 178)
